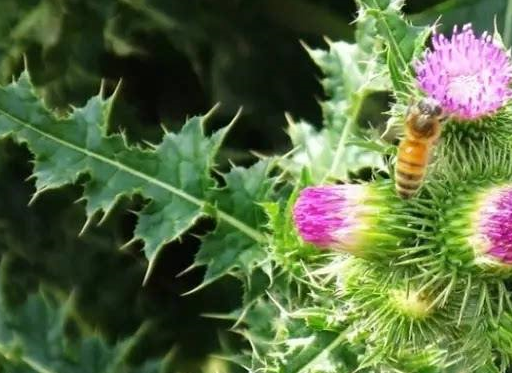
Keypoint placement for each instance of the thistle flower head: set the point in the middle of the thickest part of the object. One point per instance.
(493, 236)
(468, 75)
(328, 216)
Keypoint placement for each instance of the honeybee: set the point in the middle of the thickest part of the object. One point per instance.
(422, 130)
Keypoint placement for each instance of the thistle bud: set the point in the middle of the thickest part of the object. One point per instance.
(478, 230)
(346, 218)
(492, 228)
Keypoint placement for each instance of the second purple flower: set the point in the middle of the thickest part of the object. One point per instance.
(468, 75)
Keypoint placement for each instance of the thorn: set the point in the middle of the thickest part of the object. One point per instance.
(106, 214)
(36, 195)
(81, 199)
(210, 112)
(197, 288)
(305, 46)
(86, 225)
(149, 271)
(25, 63)
(217, 316)
(236, 117)
(230, 125)
(124, 137)
(108, 211)
(101, 93)
(244, 312)
(283, 311)
(129, 243)
(31, 177)
(187, 270)
(259, 155)
(150, 144)
(291, 152)
(289, 119)
(166, 131)
(117, 89)
(328, 41)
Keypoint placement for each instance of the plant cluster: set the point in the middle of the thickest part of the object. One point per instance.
(339, 273)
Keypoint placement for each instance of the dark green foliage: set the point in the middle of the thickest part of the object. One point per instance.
(33, 338)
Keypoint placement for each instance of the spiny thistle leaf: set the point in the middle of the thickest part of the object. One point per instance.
(284, 342)
(404, 41)
(34, 338)
(318, 151)
(175, 177)
(225, 249)
(351, 75)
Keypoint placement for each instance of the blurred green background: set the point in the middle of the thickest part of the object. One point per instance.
(175, 58)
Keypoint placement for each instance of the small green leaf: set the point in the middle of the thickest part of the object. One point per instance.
(317, 150)
(403, 40)
(226, 249)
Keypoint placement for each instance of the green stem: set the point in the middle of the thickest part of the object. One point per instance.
(507, 29)
(342, 144)
(391, 39)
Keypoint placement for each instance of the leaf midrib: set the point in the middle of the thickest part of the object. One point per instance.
(241, 226)
(321, 353)
(397, 51)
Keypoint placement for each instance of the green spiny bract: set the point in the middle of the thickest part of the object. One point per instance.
(485, 138)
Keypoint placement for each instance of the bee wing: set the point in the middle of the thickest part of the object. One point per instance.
(433, 154)
(394, 130)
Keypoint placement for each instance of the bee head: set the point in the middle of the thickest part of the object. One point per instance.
(430, 107)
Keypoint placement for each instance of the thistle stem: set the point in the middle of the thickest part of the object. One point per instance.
(342, 144)
(507, 29)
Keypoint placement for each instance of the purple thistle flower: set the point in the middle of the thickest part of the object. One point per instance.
(468, 76)
(493, 236)
(329, 216)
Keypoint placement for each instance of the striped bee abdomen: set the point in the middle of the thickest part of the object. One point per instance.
(411, 165)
